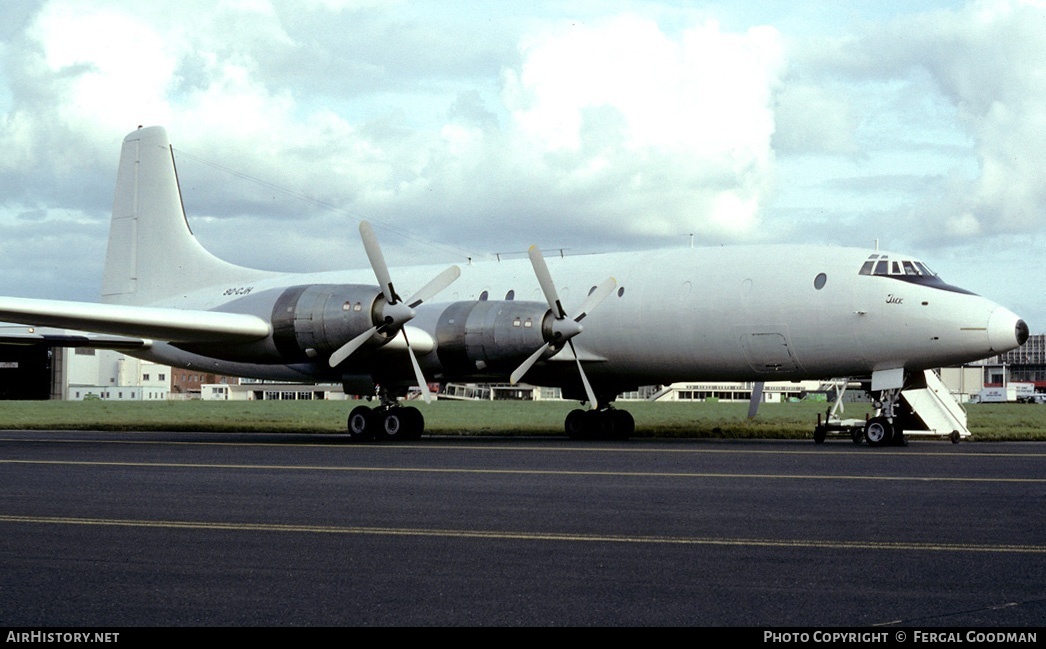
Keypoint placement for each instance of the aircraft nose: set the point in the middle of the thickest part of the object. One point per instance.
(1006, 331)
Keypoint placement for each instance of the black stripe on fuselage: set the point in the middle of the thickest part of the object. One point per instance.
(929, 281)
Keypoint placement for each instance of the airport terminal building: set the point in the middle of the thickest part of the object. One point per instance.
(1026, 364)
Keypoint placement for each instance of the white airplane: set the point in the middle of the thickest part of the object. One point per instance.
(595, 325)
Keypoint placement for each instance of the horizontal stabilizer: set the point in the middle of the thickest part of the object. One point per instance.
(173, 325)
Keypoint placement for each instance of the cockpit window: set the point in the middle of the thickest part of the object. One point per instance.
(877, 265)
(908, 270)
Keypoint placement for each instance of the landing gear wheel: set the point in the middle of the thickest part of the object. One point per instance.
(392, 424)
(575, 424)
(857, 435)
(415, 422)
(820, 434)
(624, 424)
(878, 431)
(606, 424)
(598, 424)
(359, 426)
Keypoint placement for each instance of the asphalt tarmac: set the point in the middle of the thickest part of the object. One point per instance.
(124, 529)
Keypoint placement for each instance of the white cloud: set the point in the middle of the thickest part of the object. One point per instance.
(115, 67)
(685, 120)
(489, 128)
(988, 60)
(812, 119)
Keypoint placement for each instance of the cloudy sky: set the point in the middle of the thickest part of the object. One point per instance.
(469, 128)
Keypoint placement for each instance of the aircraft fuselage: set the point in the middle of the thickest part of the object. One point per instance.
(731, 313)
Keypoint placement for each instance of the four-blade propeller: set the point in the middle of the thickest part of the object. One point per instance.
(564, 328)
(394, 312)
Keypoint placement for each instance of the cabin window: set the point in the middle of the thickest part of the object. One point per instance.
(820, 280)
(511, 295)
(483, 296)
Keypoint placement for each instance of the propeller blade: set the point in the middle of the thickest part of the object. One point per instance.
(757, 398)
(435, 285)
(584, 379)
(595, 297)
(527, 364)
(548, 287)
(348, 348)
(377, 262)
(564, 328)
(418, 374)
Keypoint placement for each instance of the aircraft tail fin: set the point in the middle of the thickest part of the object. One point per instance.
(152, 254)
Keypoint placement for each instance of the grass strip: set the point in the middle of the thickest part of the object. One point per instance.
(684, 420)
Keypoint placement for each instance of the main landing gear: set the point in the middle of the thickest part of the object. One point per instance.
(388, 422)
(604, 423)
(385, 423)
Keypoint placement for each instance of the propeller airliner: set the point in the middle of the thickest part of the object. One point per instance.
(593, 325)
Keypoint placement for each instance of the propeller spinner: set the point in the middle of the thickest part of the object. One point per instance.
(564, 328)
(395, 312)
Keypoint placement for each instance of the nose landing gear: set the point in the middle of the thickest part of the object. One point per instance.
(885, 429)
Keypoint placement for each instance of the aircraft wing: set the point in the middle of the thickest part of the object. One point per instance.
(173, 325)
(50, 337)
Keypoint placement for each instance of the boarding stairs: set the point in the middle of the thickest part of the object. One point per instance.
(929, 408)
(925, 408)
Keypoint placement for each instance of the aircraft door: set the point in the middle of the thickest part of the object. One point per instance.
(768, 351)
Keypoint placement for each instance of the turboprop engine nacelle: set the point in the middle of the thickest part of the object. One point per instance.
(309, 322)
(313, 321)
(477, 338)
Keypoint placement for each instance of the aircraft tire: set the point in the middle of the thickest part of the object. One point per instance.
(359, 424)
(624, 424)
(857, 435)
(415, 422)
(878, 431)
(575, 424)
(598, 424)
(393, 424)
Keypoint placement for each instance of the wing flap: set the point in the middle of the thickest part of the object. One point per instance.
(173, 325)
